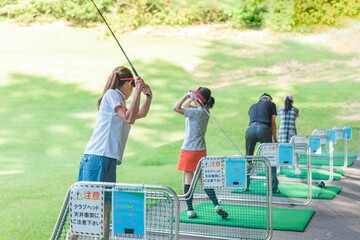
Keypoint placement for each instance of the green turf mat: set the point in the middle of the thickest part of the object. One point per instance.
(283, 218)
(293, 190)
(335, 155)
(325, 162)
(317, 174)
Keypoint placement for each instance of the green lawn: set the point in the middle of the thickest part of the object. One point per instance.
(51, 77)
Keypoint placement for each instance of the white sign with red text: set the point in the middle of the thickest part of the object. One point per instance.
(87, 210)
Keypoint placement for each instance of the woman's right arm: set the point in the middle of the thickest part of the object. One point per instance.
(178, 105)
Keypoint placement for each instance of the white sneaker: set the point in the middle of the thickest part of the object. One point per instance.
(219, 210)
(297, 172)
(191, 214)
(278, 171)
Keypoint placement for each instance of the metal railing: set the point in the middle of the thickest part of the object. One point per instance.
(161, 217)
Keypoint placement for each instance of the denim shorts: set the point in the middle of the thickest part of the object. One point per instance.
(97, 169)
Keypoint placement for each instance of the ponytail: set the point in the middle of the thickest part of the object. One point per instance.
(288, 104)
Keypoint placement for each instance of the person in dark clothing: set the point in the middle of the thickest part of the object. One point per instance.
(262, 128)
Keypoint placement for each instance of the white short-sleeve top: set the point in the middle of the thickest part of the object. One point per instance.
(111, 131)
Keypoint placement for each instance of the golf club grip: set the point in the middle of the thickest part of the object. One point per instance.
(147, 95)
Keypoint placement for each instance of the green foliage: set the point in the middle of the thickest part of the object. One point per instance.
(280, 15)
(325, 12)
(283, 15)
(250, 14)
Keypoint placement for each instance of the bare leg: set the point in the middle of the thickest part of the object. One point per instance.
(188, 177)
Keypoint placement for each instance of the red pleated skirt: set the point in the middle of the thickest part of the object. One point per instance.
(189, 160)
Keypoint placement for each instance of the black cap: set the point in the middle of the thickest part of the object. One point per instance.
(265, 95)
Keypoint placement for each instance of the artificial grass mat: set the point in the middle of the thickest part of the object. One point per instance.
(335, 155)
(283, 218)
(292, 190)
(325, 162)
(318, 174)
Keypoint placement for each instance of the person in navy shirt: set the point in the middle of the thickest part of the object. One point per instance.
(262, 128)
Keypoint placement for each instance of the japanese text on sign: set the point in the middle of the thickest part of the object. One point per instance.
(270, 151)
(86, 210)
(212, 174)
(300, 139)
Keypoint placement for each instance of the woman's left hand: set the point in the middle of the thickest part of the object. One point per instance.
(147, 90)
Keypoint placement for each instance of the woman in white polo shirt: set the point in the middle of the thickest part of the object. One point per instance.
(194, 148)
(106, 146)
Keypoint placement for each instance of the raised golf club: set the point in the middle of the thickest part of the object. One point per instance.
(112, 33)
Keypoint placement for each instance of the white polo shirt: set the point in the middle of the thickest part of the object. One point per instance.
(110, 132)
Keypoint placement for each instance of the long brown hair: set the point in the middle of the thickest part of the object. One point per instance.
(288, 104)
(114, 82)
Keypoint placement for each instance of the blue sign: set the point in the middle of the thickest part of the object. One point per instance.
(129, 215)
(332, 135)
(348, 131)
(235, 172)
(315, 144)
(286, 154)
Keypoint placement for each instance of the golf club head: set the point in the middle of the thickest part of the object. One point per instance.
(321, 184)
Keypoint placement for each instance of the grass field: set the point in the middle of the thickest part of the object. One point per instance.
(51, 77)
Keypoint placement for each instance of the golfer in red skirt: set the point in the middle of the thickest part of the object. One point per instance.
(194, 147)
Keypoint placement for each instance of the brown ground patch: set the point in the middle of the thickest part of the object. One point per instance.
(350, 111)
(351, 118)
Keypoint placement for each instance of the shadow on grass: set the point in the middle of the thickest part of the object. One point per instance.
(45, 126)
(226, 55)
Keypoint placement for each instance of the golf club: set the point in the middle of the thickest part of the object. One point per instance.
(132, 67)
(321, 184)
(218, 126)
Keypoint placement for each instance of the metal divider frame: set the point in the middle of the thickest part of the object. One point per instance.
(159, 194)
(358, 147)
(227, 197)
(317, 157)
(345, 151)
(292, 184)
(357, 128)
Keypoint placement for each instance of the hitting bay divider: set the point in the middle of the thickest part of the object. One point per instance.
(321, 149)
(215, 179)
(340, 141)
(93, 210)
(295, 163)
(353, 142)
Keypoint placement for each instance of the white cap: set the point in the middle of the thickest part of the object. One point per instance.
(289, 97)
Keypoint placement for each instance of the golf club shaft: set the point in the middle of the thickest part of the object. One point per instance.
(219, 126)
(318, 193)
(112, 33)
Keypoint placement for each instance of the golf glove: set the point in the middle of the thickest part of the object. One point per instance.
(191, 95)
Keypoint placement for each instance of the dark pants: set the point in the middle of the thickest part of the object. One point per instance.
(259, 132)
